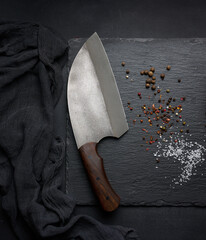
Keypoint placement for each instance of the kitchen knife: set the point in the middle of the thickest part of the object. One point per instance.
(96, 111)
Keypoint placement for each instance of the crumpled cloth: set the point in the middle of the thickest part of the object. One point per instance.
(30, 155)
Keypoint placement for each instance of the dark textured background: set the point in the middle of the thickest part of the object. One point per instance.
(144, 18)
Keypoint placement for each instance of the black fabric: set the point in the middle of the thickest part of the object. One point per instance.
(30, 155)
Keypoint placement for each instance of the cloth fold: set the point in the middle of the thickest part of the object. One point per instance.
(30, 155)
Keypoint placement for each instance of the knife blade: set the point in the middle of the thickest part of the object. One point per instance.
(96, 112)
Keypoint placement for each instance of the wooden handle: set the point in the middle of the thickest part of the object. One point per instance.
(93, 163)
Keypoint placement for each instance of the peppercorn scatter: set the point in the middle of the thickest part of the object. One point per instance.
(162, 114)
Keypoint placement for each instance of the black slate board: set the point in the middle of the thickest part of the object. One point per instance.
(131, 169)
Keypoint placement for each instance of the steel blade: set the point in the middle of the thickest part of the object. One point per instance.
(95, 106)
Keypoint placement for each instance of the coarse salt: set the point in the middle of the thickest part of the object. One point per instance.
(189, 154)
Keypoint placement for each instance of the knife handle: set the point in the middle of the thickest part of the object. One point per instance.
(93, 163)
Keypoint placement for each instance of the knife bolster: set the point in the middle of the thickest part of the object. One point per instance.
(94, 166)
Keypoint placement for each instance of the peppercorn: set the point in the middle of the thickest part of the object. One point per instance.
(167, 90)
(176, 114)
(127, 71)
(158, 90)
(131, 108)
(153, 78)
(150, 73)
(146, 72)
(139, 94)
(183, 123)
(142, 72)
(179, 80)
(153, 81)
(162, 76)
(155, 93)
(181, 130)
(152, 69)
(173, 99)
(127, 76)
(128, 103)
(123, 64)
(149, 80)
(177, 120)
(141, 121)
(168, 67)
(147, 85)
(153, 87)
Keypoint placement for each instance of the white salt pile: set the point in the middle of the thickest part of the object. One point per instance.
(188, 154)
